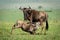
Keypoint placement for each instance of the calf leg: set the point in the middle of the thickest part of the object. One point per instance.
(13, 27)
(32, 32)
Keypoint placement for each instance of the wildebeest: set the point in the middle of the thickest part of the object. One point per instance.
(25, 27)
(35, 16)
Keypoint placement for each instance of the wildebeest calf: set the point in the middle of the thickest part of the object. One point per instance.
(25, 27)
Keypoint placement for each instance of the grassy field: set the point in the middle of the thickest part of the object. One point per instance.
(9, 16)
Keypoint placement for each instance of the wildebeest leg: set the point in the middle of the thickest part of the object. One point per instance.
(41, 23)
(41, 29)
(25, 16)
(44, 28)
(31, 18)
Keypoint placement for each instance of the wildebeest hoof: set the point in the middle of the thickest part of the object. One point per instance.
(40, 33)
(44, 33)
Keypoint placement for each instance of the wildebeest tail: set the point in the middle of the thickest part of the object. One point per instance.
(47, 25)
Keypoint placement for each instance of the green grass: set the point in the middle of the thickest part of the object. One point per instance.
(9, 16)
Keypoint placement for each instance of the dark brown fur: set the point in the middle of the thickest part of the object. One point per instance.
(35, 16)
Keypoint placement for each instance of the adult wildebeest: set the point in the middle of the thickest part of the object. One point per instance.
(35, 16)
(25, 26)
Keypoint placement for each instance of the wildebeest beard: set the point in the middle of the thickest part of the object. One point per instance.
(27, 14)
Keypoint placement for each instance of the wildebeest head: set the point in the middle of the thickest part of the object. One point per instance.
(26, 11)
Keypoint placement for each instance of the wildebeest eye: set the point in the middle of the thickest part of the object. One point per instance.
(29, 11)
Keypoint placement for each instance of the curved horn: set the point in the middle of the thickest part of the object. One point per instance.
(20, 8)
(29, 7)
